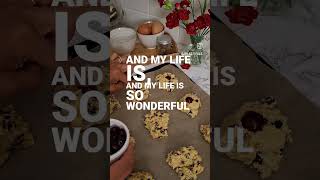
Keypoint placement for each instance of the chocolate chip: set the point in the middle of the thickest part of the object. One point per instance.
(168, 77)
(189, 100)
(278, 124)
(253, 121)
(281, 151)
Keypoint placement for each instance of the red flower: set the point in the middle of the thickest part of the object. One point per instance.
(200, 22)
(203, 21)
(183, 14)
(191, 28)
(185, 3)
(185, 66)
(207, 19)
(161, 2)
(172, 20)
(242, 15)
(177, 5)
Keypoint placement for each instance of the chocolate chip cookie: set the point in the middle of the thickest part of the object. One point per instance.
(157, 124)
(140, 175)
(15, 133)
(193, 104)
(167, 78)
(187, 162)
(265, 130)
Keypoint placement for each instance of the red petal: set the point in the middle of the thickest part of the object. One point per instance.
(185, 66)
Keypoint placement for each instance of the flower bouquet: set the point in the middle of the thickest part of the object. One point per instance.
(183, 14)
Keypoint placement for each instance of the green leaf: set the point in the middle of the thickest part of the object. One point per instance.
(204, 7)
(168, 5)
(200, 7)
(192, 8)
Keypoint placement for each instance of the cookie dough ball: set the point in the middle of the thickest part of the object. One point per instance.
(186, 161)
(15, 133)
(206, 132)
(140, 175)
(167, 78)
(193, 103)
(157, 124)
(265, 130)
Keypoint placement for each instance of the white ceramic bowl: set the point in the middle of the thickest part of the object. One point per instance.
(149, 41)
(114, 122)
(123, 40)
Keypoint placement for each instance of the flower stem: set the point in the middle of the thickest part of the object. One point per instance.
(204, 7)
(192, 8)
(200, 6)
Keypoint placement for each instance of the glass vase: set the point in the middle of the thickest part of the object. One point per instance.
(195, 50)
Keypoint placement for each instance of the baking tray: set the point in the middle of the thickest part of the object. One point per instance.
(183, 131)
(255, 80)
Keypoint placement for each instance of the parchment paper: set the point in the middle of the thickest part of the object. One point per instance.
(183, 131)
(255, 80)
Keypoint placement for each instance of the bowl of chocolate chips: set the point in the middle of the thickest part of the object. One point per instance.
(119, 139)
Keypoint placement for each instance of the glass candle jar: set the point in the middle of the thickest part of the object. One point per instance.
(164, 45)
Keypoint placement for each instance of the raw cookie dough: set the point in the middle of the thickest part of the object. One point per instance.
(167, 78)
(206, 131)
(157, 124)
(140, 175)
(14, 133)
(114, 104)
(187, 162)
(265, 130)
(193, 103)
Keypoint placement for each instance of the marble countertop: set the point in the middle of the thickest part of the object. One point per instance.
(290, 43)
(200, 74)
